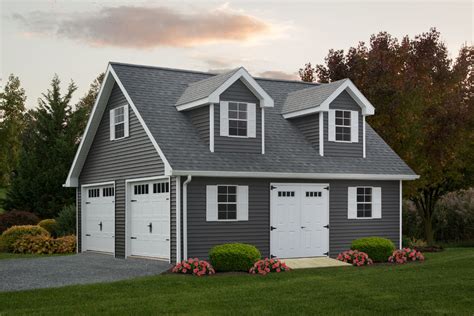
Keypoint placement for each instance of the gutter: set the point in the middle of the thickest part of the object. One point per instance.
(185, 216)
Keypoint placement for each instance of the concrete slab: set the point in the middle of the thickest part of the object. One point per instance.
(315, 262)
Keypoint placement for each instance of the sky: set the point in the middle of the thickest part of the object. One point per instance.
(76, 39)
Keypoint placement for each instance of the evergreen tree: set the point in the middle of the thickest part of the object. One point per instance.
(47, 153)
(12, 108)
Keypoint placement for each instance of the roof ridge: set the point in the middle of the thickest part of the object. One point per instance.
(320, 85)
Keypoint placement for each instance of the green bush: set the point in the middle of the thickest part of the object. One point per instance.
(233, 257)
(50, 225)
(66, 221)
(14, 233)
(378, 249)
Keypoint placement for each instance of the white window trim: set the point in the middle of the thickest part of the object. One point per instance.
(335, 126)
(125, 122)
(238, 203)
(371, 203)
(234, 119)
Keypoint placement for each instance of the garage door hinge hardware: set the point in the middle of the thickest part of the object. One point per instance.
(272, 256)
(326, 226)
(88, 234)
(88, 202)
(133, 200)
(326, 253)
(327, 188)
(272, 187)
(133, 237)
(272, 227)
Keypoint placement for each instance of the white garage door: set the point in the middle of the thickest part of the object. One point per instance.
(299, 220)
(150, 219)
(99, 218)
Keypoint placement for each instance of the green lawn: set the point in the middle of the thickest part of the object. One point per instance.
(3, 193)
(444, 283)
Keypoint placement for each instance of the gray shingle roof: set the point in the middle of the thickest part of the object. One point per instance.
(203, 88)
(309, 97)
(155, 91)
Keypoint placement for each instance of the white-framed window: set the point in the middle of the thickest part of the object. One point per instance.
(140, 189)
(108, 191)
(238, 119)
(119, 122)
(343, 125)
(161, 187)
(364, 202)
(93, 193)
(226, 202)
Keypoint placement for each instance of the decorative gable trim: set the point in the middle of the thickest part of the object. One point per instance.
(359, 98)
(97, 112)
(214, 97)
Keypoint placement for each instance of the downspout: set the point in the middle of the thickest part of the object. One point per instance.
(185, 217)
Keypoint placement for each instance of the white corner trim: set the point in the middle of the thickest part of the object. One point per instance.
(288, 175)
(363, 137)
(178, 219)
(185, 216)
(263, 130)
(211, 127)
(142, 122)
(321, 133)
(401, 212)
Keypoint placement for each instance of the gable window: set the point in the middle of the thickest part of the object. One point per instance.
(237, 119)
(343, 126)
(119, 122)
(227, 203)
(364, 202)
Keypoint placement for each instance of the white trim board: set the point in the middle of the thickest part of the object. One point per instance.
(332, 176)
(94, 122)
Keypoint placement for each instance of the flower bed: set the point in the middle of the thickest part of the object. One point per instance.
(404, 255)
(194, 266)
(355, 257)
(267, 266)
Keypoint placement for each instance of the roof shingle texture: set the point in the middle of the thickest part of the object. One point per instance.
(155, 91)
(310, 97)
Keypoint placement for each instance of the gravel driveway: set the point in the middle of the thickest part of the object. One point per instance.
(35, 273)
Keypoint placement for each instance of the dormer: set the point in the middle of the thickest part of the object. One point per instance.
(331, 117)
(228, 111)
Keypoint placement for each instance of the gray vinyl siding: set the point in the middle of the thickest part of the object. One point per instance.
(309, 126)
(204, 235)
(119, 160)
(337, 149)
(238, 92)
(200, 120)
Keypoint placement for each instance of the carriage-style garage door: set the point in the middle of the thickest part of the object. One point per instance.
(299, 220)
(149, 219)
(99, 218)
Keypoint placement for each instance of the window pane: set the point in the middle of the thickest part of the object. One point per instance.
(232, 189)
(222, 198)
(368, 190)
(231, 215)
(339, 114)
(360, 191)
(232, 207)
(233, 124)
(346, 137)
(360, 198)
(222, 215)
(233, 132)
(339, 130)
(222, 207)
(242, 124)
(360, 213)
(243, 115)
(347, 114)
(368, 213)
(119, 130)
(231, 198)
(233, 114)
(368, 198)
(243, 107)
(242, 132)
(233, 106)
(339, 121)
(222, 189)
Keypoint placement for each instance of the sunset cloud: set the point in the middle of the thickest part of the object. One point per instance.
(147, 27)
(275, 74)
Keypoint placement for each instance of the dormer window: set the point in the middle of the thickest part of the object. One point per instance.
(237, 119)
(119, 122)
(343, 125)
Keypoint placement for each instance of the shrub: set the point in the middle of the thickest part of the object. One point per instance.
(377, 248)
(355, 257)
(66, 221)
(194, 267)
(404, 255)
(417, 243)
(268, 265)
(16, 232)
(16, 218)
(50, 225)
(233, 257)
(43, 244)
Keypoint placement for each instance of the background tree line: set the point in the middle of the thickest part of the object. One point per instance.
(424, 111)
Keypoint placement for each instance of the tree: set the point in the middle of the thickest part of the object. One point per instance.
(424, 108)
(307, 73)
(12, 106)
(48, 149)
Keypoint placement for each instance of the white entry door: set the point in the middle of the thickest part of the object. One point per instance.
(150, 219)
(299, 220)
(99, 218)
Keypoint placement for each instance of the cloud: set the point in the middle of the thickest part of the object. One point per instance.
(147, 27)
(275, 74)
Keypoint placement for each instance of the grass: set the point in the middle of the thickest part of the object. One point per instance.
(3, 194)
(6, 255)
(444, 283)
